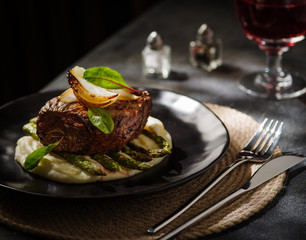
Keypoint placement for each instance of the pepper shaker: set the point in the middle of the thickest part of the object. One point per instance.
(156, 57)
(206, 51)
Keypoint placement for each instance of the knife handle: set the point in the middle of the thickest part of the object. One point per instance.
(197, 196)
(202, 215)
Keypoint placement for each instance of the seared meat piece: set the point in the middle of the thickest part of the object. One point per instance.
(57, 119)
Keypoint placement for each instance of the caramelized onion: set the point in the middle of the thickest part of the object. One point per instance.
(85, 91)
(68, 96)
(124, 94)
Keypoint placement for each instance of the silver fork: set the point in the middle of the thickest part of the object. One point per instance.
(259, 149)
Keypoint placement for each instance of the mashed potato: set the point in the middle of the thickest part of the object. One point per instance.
(57, 169)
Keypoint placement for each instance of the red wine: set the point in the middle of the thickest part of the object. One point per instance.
(272, 19)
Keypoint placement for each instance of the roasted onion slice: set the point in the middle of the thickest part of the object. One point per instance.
(85, 91)
(68, 96)
(125, 94)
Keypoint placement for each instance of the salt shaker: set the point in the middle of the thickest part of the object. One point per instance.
(156, 57)
(206, 51)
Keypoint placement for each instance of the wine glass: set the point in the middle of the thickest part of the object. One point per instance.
(275, 25)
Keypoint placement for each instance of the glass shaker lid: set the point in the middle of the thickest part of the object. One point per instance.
(205, 34)
(155, 41)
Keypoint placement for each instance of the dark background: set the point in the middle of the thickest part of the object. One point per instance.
(42, 38)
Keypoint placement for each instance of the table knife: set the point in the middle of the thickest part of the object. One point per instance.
(267, 171)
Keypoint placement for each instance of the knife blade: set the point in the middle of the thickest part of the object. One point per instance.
(267, 171)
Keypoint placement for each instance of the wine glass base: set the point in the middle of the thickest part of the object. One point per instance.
(250, 85)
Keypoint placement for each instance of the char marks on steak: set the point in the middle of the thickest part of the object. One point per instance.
(57, 119)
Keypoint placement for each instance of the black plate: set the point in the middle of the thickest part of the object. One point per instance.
(200, 139)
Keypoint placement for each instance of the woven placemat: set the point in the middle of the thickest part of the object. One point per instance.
(128, 218)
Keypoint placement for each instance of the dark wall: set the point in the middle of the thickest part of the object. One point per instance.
(41, 38)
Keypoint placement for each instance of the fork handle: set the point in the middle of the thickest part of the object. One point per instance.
(202, 214)
(196, 197)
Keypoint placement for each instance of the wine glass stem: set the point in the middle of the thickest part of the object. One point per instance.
(274, 76)
(273, 66)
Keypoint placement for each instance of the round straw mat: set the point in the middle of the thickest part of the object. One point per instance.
(128, 218)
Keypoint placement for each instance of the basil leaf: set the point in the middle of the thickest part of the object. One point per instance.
(105, 77)
(33, 159)
(101, 119)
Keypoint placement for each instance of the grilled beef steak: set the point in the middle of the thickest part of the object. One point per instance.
(70, 120)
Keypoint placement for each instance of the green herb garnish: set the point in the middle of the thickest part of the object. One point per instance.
(34, 158)
(101, 119)
(106, 78)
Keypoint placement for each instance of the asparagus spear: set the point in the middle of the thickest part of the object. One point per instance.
(161, 142)
(156, 153)
(106, 162)
(129, 162)
(30, 128)
(139, 155)
(83, 163)
(33, 120)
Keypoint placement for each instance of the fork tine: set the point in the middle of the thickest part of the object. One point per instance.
(255, 137)
(270, 148)
(265, 138)
(264, 141)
